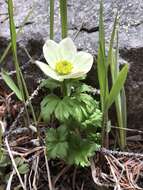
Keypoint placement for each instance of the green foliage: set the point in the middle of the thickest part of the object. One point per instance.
(13, 42)
(8, 80)
(116, 88)
(120, 101)
(80, 150)
(4, 161)
(80, 107)
(70, 146)
(6, 167)
(77, 139)
(63, 110)
(118, 78)
(50, 84)
(84, 88)
(22, 166)
(48, 106)
(56, 142)
(20, 79)
(93, 119)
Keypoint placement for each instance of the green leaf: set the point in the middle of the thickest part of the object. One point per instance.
(56, 142)
(109, 60)
(62, 132)
(118, 85)
(12, 26)
(101, 30)
(23, 168)
(50, 84)
(8, 80)
(19, 161)
(84, 88)
(101, 75)
(4, 161)
(120, 101)
(90, 104)
(48, 106)
(86, 98)
(59, 134)
(63, 109)
(102, 66)
(80, 150)
(95, 119)
(57, 150)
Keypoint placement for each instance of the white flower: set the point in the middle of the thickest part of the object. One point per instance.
(64, 62)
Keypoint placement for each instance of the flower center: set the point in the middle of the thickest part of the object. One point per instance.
(63, 67)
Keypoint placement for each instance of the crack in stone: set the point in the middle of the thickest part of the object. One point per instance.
(5, 19)
(90, 30)
(85, 29)
(25, 24)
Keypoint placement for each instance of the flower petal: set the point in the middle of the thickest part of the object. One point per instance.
(74, 75)
(83, 62)
(67, 48)
(51, 52)
(48, 71)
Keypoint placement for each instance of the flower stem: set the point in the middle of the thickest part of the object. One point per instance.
(64, 89)
(63, 13)
(52, 19)
(105, 138)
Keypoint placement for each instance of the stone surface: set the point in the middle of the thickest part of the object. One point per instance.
(83, 16)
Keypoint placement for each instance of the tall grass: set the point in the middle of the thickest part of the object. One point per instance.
(120, 102)
(20, 89)
(118, 79)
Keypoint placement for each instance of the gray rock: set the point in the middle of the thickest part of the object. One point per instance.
(84, 16)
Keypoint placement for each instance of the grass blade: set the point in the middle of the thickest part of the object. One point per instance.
(118, 85)
(120, 101)
(21, 83)
(101, 30)
(14, 46)
(101, 76)
(8, 80)
(101, 60)
(109, 59)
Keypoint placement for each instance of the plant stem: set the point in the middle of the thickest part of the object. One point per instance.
(64, 88)
(105, 139)
(27, 96)
(52, 19)
(63, 13)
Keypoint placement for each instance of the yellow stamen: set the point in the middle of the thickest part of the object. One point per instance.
(63, 67)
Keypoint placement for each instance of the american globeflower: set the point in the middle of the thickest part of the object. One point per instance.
(63, 60)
